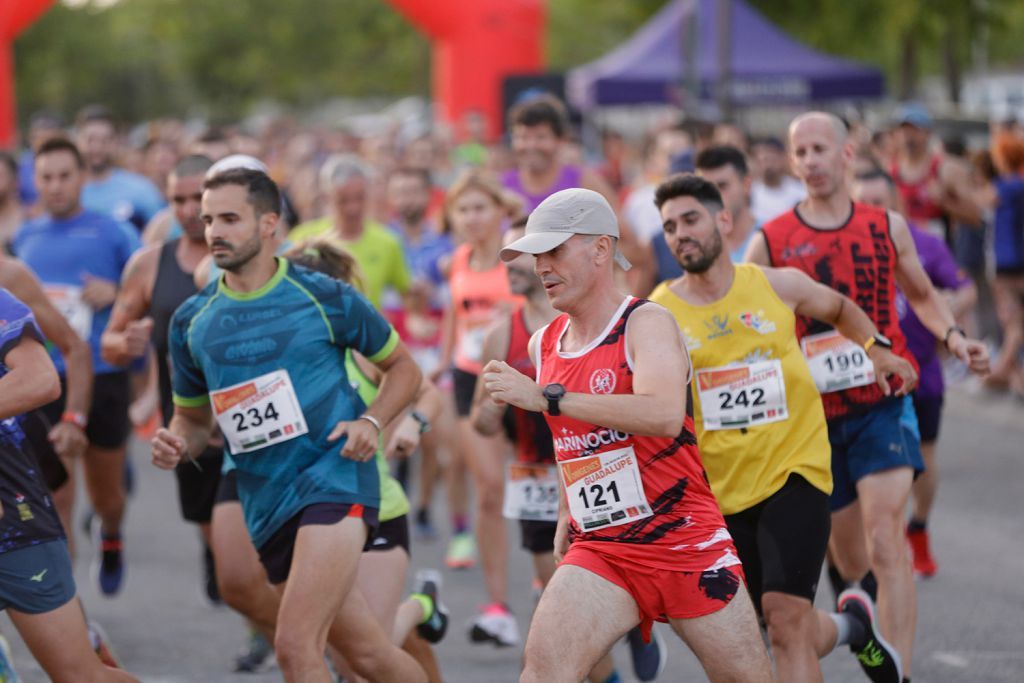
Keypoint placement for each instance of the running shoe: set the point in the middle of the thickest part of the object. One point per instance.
(461, 551)
(649, 659)
(428, 584)
(101, 645)
(111, 569)
(495, 624)
(7, 672)
(253, 657)
(920, 548)
(879, 660)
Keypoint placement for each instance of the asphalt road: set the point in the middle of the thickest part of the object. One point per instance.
(969, 629)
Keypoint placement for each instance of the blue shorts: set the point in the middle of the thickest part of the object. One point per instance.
(884, 438)
(37, 579)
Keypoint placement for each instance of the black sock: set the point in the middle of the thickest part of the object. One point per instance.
(423, 515)
(917, 524)
(906, 679)
(869, 584)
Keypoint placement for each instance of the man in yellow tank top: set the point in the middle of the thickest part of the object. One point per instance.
(761, 426)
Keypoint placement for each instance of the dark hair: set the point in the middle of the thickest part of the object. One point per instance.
(324, 256)
(876, 173)
(212, 134)
(955, 146)
(689, 185)
(519, 223)
(722, 155)
(264, 195)
(192, 164)
(421, 174)
(8, 160)
(771, 142)
(541, 110)
(94, 113)
(61, 144)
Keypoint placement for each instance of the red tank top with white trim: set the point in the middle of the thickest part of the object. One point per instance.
(671, 520)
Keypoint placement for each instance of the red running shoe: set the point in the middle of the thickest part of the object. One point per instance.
(924, 563)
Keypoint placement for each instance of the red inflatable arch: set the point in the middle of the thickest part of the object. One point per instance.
(15, 17)
(476, 43)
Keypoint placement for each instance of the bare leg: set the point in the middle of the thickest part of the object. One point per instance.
(240, 576)
(486, 459)
(60, 643)
(579, 618)
(883, 499)
(798, 636)
(728, 642)
(367, 648)
(381, 580)
(926, 484)
(847, 543)
(104, 480)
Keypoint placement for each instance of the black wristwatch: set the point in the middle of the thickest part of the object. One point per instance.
(949, 333)
(422, 419)
(879, 339)
(554, 393)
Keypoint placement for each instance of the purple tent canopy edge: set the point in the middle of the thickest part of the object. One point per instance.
(768, 66)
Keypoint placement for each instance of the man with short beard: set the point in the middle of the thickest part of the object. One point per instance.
(156, 281)
(262, 350)
(79, 256)
(760, 425)
(121, 194)
(862, 252)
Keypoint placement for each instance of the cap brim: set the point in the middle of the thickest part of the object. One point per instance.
(543, 242)
(537, 243)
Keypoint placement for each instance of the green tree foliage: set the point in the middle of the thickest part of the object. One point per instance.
(217, 57)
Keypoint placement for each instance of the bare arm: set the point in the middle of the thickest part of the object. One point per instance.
(400, 380)
(814, 300)
(157, 229)
(928, 304)
(31, 380)
(22, 283)
(757, 250)
(128, 330)
(487, 413)
(958, 197)
(657, 406)
(447, 341)
(184, 438)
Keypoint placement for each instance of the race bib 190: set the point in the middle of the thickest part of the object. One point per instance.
(837, 363)
(67, 299)
(605, 490)
(742, 396)
(531, 492)
(259, 412)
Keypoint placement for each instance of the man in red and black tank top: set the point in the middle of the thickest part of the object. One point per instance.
(532, 488)
(862, 252)
(640, 536)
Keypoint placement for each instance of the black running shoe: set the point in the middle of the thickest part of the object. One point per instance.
(649, 659)
(254, 655)
(428, 583)
(879, 660)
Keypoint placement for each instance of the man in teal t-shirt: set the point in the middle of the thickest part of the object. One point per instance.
(261, 349)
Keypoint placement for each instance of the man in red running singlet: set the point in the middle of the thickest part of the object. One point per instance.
(647, 540)
(863, 252)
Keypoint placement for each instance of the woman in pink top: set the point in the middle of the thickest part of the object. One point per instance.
(478, 284)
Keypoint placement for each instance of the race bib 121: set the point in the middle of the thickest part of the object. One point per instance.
(605, 490)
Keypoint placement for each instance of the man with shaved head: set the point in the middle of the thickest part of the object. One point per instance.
(863, 252)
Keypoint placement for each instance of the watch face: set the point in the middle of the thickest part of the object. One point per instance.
(883, 340)
(554, 391)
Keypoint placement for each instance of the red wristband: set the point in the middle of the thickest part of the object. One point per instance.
(77, 419)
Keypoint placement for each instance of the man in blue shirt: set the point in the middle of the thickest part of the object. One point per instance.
(120, 194)
(79, 255)
(37, 588)
(261, 349)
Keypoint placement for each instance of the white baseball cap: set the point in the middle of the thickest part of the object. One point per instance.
(233, 161)
(576, 211)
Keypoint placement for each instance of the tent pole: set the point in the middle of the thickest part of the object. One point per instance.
(723, 22)
(689, 34)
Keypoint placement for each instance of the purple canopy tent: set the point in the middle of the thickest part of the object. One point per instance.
(767, 66)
